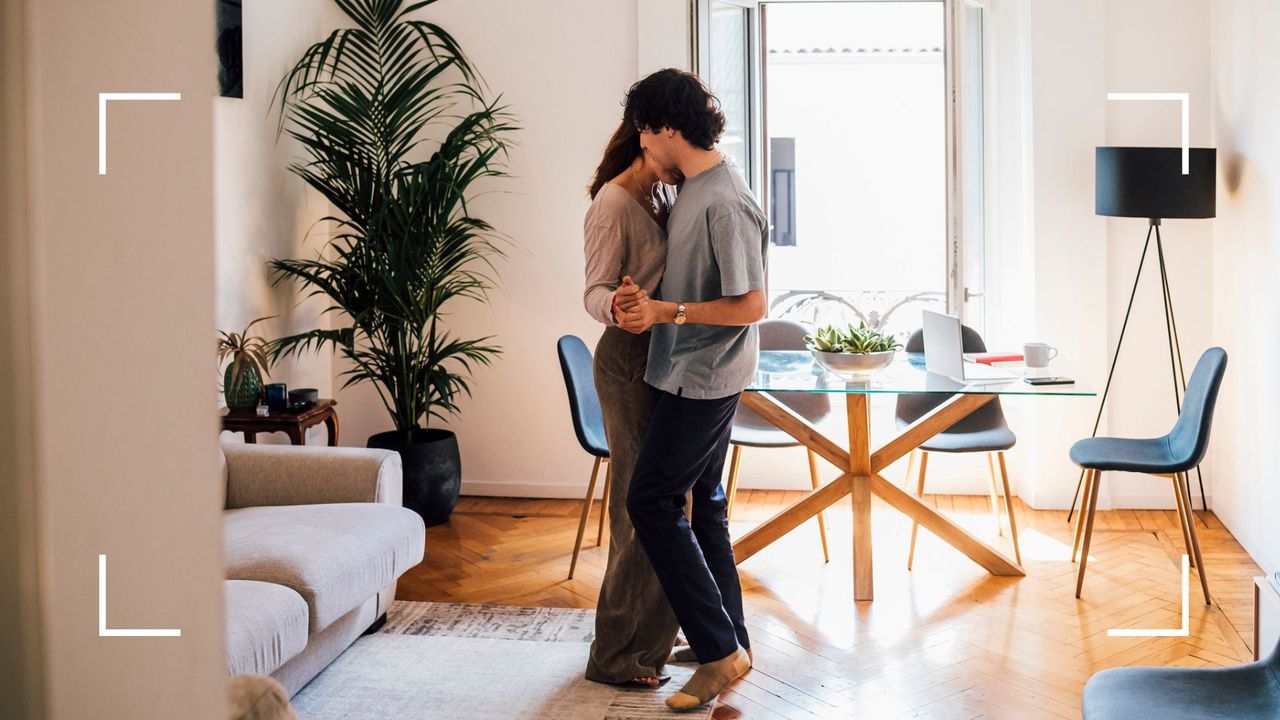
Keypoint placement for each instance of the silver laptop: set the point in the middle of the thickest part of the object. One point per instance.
(944, 353)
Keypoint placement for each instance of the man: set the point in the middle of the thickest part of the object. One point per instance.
(702, 355)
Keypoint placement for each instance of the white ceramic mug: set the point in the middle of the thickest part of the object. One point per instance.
(1039, 354)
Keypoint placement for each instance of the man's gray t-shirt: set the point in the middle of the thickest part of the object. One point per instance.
(716, 243)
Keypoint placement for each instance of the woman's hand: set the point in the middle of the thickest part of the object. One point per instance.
(629, 295)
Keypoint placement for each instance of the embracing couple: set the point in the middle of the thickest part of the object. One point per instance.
(675, 247)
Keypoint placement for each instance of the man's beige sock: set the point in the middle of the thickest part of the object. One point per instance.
(685, 654)
(709, 679)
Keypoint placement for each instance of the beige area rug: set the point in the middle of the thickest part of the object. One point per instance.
(478, 662)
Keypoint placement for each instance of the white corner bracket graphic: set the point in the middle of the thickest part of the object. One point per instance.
(103, 630)
(1183, 631)
(102, 118)
(1185, 99)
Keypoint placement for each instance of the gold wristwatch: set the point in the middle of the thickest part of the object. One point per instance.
(680, 316)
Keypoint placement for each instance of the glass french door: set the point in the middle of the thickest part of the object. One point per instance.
(858, 124)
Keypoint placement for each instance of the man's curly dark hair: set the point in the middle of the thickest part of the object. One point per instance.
(678, 100)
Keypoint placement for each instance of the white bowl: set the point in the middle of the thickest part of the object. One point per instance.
(846, 363)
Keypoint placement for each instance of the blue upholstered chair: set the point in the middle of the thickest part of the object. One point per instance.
(1170, 456)
(983, 431)
(1240, 692)
(588, 425)
(752, 431)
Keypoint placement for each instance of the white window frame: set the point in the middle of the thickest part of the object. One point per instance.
(756, 154)
(957, 194)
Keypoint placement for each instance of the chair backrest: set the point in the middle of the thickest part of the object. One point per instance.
(584, 403)
(1190, 435)
(779, 334)
(912, 407)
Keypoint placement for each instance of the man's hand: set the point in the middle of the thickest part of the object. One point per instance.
(629, 295)
(646, 314)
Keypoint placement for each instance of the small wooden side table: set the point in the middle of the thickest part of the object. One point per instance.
(292, 424)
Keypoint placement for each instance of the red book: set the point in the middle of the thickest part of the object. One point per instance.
(990, 358)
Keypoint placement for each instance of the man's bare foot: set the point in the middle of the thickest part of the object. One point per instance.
(709, 680)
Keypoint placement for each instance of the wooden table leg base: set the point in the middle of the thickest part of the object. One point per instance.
(863, 480)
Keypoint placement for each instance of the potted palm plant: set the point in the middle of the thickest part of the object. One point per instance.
(396, 132)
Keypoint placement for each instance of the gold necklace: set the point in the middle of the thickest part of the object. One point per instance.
(645, 200)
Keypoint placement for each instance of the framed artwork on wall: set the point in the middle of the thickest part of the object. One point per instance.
(230, 50)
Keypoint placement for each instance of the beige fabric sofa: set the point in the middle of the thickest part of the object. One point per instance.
(314, 541)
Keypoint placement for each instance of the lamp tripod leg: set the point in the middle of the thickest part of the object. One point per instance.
(1097, 422)
(1175, 350)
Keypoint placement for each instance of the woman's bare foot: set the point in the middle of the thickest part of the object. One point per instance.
(652, 682)
(709, 680)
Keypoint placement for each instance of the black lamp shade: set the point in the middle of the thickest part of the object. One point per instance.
(1147, 182)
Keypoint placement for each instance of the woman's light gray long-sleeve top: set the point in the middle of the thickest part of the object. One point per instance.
(622, 238)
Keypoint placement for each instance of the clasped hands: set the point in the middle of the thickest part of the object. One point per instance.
(635, 311)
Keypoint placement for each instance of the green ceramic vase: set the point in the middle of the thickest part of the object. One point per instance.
(244, 396)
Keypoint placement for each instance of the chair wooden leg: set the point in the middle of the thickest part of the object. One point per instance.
(1183, 488)
(1008, 507)
(1183, 517)
(731, 492)
(915, 524)
(816, 477)
(1088, 529)
(604, 502)
(1084, 503)
(995, 495)
(911, 469)
(1079, 516)
(586, 513)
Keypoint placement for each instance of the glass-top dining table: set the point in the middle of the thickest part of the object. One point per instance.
(785, 371)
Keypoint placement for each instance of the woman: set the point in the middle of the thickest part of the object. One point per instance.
(626, 242)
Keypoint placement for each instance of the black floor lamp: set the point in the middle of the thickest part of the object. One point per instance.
(1153, 183)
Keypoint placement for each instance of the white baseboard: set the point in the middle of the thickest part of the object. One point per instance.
(498, 488)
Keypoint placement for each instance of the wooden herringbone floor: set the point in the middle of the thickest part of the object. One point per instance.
(946, 640)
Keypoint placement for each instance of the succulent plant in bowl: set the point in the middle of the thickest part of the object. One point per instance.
(852, 350)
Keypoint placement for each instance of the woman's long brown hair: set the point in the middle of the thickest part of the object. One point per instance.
(622, 150)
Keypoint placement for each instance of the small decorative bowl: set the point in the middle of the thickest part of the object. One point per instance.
(859, 364)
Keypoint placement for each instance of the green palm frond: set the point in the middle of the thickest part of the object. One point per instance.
(396, 131)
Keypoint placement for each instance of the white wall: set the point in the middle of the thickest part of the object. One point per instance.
(1155, 46)
(1060, 273)
(1246, 114)
(119, 305)
(263, 211)
(563, 67)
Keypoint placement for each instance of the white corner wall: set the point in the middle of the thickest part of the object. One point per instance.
(1245, 458)
(120, 310)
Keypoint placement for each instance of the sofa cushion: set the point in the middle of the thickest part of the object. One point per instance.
(335, 556)
(266, 626)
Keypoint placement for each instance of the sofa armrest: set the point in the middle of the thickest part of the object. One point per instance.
(264, 475)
